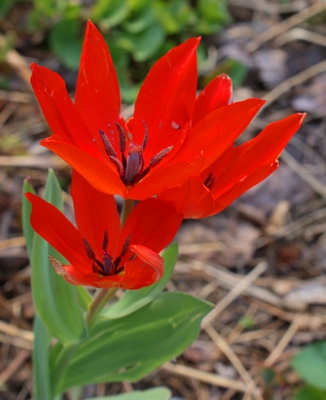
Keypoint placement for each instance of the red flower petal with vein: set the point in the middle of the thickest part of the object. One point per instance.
(237, 170)
(99, 251)
(171, 137)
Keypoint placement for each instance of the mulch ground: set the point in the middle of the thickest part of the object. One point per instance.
(262, 261)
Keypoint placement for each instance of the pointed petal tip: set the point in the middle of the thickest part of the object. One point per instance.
(29, 196)
(150, 257)
(91, 28)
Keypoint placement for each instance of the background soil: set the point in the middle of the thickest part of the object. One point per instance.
(262, 261)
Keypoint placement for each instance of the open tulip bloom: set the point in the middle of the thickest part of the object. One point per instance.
(175, 158)
(101, 253)
(172, 135)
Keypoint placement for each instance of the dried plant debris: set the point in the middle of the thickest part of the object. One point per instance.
(261, 261)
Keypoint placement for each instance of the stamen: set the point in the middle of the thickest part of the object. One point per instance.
(105, 241)
(159, 156)
(145, 140)
(125, 246)
(107, 145)
(122, 137)
(143, 173)
(120, 269)
(90, 253)
(118, 164)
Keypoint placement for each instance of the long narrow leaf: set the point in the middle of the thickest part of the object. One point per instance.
(41, 373)
(56, 301)
(26, 213)
(151, 394)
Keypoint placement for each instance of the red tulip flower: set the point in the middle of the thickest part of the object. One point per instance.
(238, 168)
(100, 252)
(171, 137)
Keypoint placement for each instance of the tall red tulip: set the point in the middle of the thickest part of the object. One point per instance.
(99, 251)
(171, 137)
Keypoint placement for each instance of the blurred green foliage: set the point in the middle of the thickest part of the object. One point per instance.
(138, 32)
(310, 364)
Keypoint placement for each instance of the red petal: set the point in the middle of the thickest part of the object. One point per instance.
(192, 198)
(149, 257)
(103, 176)
(95, 213)
(137, 275)
(165, 177)
(144, 273)
(268, 145)
(58, 109)
(76, 277)
(152, 223)
(242, 186)
(263, 149)
(55, 228)
(97, 92)
(166, 99)
(215, 133)
(216, 94)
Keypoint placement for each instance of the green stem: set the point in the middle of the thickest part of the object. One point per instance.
(100, 299)
(104, 295)
(128, 205)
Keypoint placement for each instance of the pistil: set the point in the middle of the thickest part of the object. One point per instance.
(131, 166)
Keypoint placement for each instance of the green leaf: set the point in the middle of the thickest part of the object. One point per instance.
(129, 348)
(142, 45)
(41, 371)
(310, 364)
(66, 42)
(151, 394)
(133, 300)
(58, 303)
(214, 11)
(110, 12)
(148, 42)
(140, 20)
(26, 214)
(174, 16)
(5, 7)
(309, 393)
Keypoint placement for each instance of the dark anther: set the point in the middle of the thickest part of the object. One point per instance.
(125, 246)
(209, 181)
(124, 161)
(107, 145)
(117, 261)
(118, 164)
(90, 253)
(122, 137)
(130, 166)
(145, 140)
(105, 241)
(159, 156)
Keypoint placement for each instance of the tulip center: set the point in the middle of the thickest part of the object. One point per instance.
(130, 164)
(107, 266)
